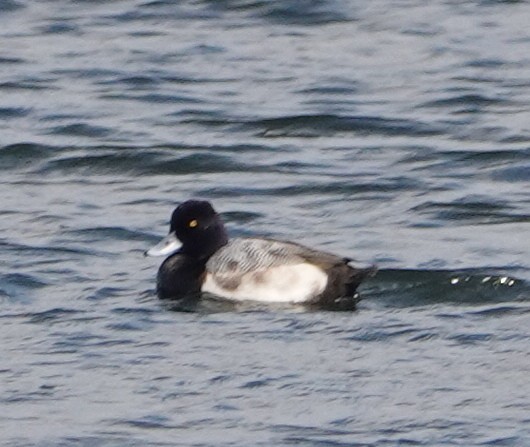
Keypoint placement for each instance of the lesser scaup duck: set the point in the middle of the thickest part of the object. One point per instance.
(201, 258)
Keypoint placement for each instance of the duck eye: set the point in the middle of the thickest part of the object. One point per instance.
(193, 223)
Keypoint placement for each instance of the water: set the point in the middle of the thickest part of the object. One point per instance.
(391, 132)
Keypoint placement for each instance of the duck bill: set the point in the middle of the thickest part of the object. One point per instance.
(167, 246)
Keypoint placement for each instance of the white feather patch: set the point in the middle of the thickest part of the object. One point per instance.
(283, 284)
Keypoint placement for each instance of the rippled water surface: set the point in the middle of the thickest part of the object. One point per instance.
(392, 132)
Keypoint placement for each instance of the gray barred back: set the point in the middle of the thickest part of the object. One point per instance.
(244, 255)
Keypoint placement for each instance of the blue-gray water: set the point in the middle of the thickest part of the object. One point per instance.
(395, 132)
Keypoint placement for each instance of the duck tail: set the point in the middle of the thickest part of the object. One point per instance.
(357, 276)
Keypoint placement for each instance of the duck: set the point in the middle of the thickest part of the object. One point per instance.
(202, 259)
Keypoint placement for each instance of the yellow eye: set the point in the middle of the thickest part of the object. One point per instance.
(193, 223)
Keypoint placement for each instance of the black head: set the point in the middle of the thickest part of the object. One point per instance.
(199, 228)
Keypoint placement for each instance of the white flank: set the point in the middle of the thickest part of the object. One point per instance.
(284, 284)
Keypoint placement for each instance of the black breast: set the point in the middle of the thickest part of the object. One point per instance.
(179, 277)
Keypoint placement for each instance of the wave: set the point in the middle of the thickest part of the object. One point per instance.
(410, 287)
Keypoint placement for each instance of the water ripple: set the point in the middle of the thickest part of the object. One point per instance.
(423, 287)
(470, 211)
(319, 125)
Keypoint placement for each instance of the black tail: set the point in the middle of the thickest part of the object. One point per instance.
(357, 276)
(341, 291)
